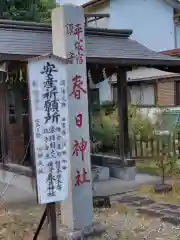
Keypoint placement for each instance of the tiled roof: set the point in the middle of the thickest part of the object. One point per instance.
(106, 46)
(121, 48)
(124, 51)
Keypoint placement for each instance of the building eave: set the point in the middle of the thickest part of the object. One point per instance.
(34, 26)
(174, 77)
(172, 52)
(50, 56)
(173, 3)
(92, 3)
(12, 24)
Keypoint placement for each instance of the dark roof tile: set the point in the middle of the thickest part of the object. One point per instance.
(107, 46)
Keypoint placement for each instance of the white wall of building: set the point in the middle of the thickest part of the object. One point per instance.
(151, 21)
(105, 92)
(152, 24)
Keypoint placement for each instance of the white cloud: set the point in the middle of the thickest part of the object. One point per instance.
(76, 2)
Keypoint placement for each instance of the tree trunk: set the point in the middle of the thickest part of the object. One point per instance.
(163, 170)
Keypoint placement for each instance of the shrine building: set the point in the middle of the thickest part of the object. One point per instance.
(108, 52)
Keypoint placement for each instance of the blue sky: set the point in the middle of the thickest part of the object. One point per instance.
(77, 2)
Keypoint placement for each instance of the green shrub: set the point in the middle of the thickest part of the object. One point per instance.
(105, 130)
(105, 126)
(139, 125)
(108, 107)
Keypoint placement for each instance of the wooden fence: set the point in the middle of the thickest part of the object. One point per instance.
(155, 147)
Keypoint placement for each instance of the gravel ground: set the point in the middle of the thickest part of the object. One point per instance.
(19, 222)
(124, 223)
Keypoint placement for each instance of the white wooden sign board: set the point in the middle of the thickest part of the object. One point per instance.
(50, 125)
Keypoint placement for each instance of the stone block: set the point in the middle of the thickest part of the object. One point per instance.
(101, 202)
(124, 173)
(95, 229)
(100, 173)
(106, 160)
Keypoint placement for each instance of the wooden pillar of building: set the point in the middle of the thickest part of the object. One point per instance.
(89, 106)
(18, 107)
(16, 148)
(122, 104)
(4, 133)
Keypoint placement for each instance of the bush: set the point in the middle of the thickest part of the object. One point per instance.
(108, 107)
(105, 126)
(105, 130)
(140, 125)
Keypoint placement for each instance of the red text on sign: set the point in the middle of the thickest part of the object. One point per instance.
(77, 87)
(81, 178)
(79, 147)
(79, 120)
(79, 45)
(78, 30)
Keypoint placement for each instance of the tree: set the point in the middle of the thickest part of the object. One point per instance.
(27, 10)
(165, 163)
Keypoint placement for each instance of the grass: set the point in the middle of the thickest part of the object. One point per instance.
(172, 197)
(147, 167)
(121, 222)
(150, 167)
(20, 222)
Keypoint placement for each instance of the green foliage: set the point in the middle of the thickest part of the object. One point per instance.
(140, 125)
(108, 107)
(163, 165)
(105, 126)
(105, 130)
(160, 166)
(147, 167)
(28, 10)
